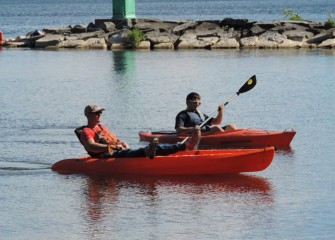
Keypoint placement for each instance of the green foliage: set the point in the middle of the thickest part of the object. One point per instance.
(293, 16)
(136, 36)
(330, 21)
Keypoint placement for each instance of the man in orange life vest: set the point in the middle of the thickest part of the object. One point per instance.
(100, 142)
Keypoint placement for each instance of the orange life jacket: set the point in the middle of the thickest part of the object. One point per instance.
(106, 136)
(103, 136)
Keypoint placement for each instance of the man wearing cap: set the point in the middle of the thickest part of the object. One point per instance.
(100, 142)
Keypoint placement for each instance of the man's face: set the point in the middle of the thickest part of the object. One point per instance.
(94, 117)
(193, 104)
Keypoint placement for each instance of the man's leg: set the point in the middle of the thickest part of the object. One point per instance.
(161, 150)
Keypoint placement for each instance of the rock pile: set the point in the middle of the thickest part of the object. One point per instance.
(159, 34)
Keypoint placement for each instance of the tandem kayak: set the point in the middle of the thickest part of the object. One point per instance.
(189, 162)
(243, 137)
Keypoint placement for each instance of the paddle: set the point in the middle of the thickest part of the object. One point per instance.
(247, 86)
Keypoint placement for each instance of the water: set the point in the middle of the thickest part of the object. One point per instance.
(18, 17)
(43, 94)
(42, 99)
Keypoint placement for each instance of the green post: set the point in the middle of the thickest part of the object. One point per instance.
(123, 9)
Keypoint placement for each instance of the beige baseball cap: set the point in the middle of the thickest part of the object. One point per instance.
(92, 108)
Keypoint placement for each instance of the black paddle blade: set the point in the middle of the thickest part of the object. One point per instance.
(248, 85)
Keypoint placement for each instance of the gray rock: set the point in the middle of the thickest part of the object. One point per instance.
(96, 43)
(15, 44)
(235, 23)
(49, 40)
(287, 26)
(257, 30)
(120, 39)
(144, 45)
(226, 43)
(322, 36)
(72, 44)
(307, 24)
(92, 28)
(210, 40)
(272, 36)
(156, 26)
(231, 33)
(188, 35)
(58, 30)
(180, 29)
(298, 35)
(288, 43)
(189, 40)
(85, 36)
(207, 29)
(209, 34)
(167, 45)
(249, 42)
(329, 43)
(79, 29)
(157, 37)
(266, 24)
(107, 26)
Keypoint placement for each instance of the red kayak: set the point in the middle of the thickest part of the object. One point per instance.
(201, 162)
(237, 138)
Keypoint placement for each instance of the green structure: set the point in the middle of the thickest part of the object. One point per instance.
(123, 9)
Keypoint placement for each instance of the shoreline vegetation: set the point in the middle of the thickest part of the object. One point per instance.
(151, 34)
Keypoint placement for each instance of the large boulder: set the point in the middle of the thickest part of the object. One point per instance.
(329, 43)
(58, 30)
(180, 29)
(322, 36)
(226, 43)
(208, 29)
(119, 39)
(84, 36)
(49, 40)
(288, 43)
(235, 23)
(249, 42)
(189, 40)
(106, 26)
(159, 26)
(157, 37)
(79, 29)
(298, 35)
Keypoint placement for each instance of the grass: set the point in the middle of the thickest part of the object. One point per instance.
(293, 16)
(136, 36)
(330, 21)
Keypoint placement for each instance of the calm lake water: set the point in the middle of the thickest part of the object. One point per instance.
(43, 94)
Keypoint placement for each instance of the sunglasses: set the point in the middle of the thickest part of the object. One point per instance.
(97, 113)
(194, 101)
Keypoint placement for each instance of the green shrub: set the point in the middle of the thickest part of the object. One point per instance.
(330, 21)
(293, 16)
(136, 36)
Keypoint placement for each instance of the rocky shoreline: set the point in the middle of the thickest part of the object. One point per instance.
(159, 34)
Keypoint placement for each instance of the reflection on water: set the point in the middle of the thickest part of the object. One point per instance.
(106, 196)
(124, 62)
